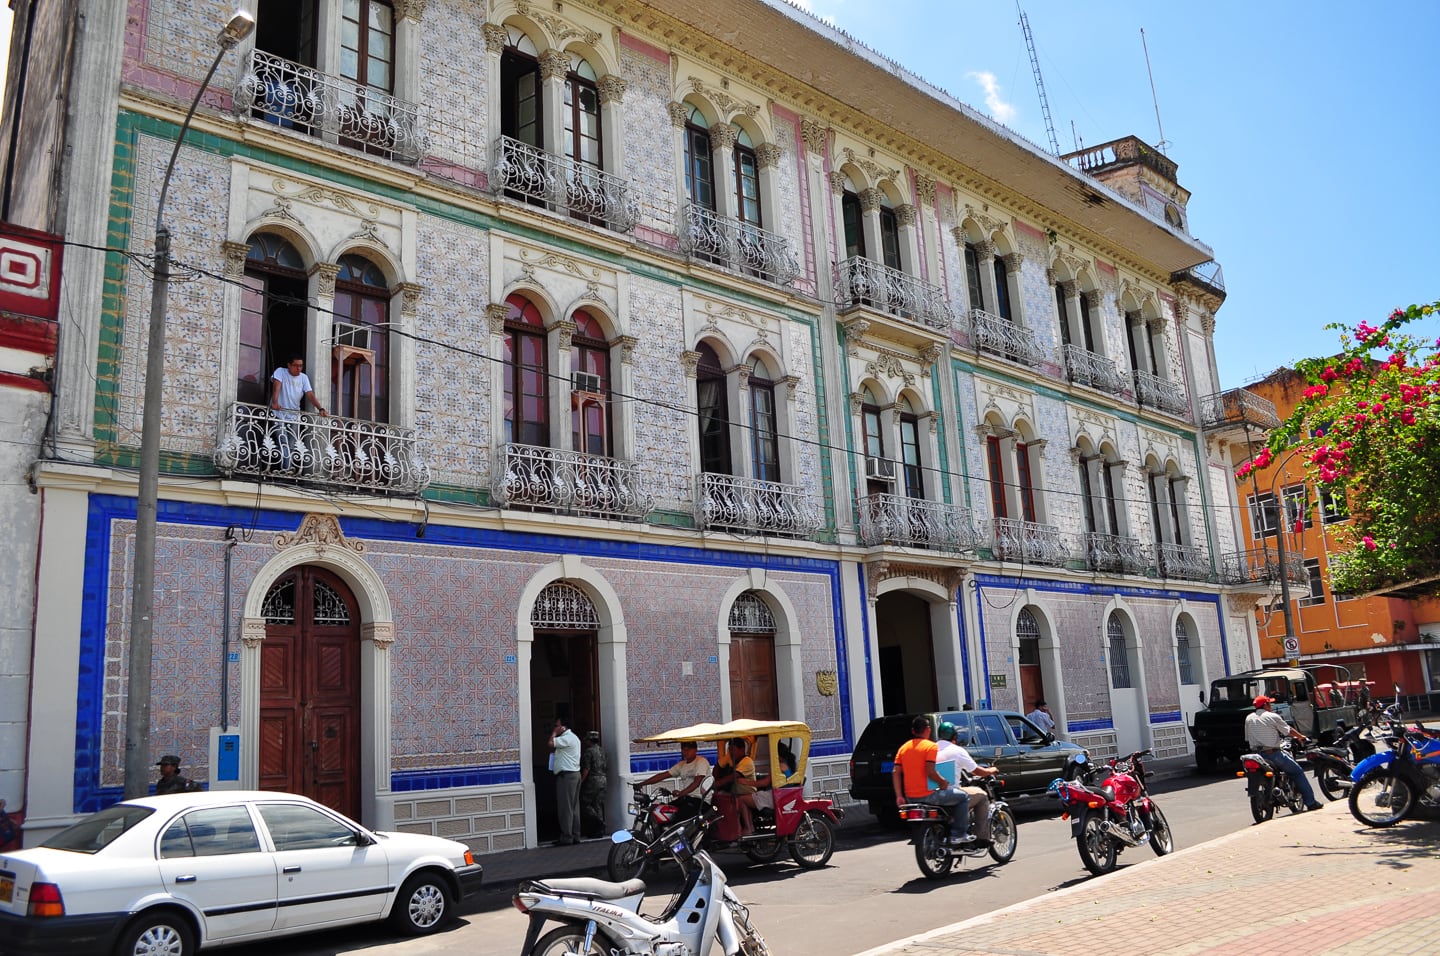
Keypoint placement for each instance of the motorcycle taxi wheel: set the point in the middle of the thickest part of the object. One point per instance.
(930, 854)
(1097, 849)
(1003, 835)
(1331, 783)
(813, 842)
(1381, 798)
(1162, 840)
(1262, 807)
(764, 851)
(627, 861)
(569, 941)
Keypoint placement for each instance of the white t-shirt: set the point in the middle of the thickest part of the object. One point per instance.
(567, 752)
(947, 751)
(1041, 719)
(293, 388)
(685, 773)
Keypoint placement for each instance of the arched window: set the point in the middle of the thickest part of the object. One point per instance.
(582, 114)
(1002, 289)
(1119, 652)
(527, 375)
(973, 287)
(764, 425)
(712, 404)
(272, 315)
(747, 181)
(853, 216)
(520, 98)
(563, 607)
(1182, 652)
(1027, 628)
(591, 429)
(699, 161)
(910, 450)
(889, 234)
(367, 43)
(873, 427)
(362, 301)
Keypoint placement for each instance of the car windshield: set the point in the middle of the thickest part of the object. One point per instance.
(1234, 693)
(99, 830)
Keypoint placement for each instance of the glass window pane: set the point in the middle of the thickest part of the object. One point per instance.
(297, 827)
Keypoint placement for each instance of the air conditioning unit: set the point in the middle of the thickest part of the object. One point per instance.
(880, 469)
(352, 336)
(585, 382)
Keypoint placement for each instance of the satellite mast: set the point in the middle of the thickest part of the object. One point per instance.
(1039, 80)
(1153, 98)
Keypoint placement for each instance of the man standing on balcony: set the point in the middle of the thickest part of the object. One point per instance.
(290, 387)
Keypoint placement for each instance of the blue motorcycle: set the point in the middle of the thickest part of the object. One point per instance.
(1400, 782)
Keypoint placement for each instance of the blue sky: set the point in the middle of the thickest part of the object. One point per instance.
(1308, 135)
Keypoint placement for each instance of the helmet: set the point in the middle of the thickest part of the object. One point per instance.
(947, 730)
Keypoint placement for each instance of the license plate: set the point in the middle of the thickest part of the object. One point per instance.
(7, 889)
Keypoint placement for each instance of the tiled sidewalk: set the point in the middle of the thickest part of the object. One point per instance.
(1317, 883)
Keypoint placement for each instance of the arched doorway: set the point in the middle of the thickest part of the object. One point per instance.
(564, 682)
(309, 740)
(753, 691)
(907, 654)
(1032, 680)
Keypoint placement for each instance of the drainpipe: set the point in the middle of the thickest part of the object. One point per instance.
(230, 543)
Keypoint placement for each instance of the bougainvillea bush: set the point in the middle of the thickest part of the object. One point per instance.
(1368, 428)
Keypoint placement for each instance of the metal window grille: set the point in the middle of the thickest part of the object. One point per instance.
(279, 606)
(750, 615)
(1182, 653)
(328, 606)
(1119, 653)
(1026, 627)
(564, 607)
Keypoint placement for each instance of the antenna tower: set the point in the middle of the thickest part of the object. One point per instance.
(1153, 98)
(1039, 80)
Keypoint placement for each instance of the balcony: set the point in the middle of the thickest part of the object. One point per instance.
(1262, 566)
(1152, 391)
(348, 453)
(863, 284)
(294, 96)
(1004, 338)
(1084, 367)
(1184, 562)
(561, 184)
(552, 479)
(727, 503)
(1029, 542)
(1114, 553)
(737, 246)
(1208, 277)
(914, 522)
(1237, 409)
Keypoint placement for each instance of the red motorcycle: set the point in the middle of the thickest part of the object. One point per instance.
(1110, 810)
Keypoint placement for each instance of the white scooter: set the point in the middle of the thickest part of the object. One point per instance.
(600, 918)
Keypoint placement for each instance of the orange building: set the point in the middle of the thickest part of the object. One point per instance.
(1387, 640)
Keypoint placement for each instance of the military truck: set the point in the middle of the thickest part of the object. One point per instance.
(1219, 729)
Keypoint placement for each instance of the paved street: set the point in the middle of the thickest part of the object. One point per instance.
(870, 895)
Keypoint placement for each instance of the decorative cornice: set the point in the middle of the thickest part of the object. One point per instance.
(322, 531)
(876, 172)
(723, 101)
(690, 361)
(565, 332)
(679, 113)
(837, 183)
(905, 215)
(877, 572)
(554, 64)
(412, 10)
(495, 315)
(815, 136)
(792, 386)
(236, 254)
(723, 136)
(252, 632)
(925, 189)
(379, 633)
(871, 199)
(495, 37)
(560, 30)
(768, 155)
(627, 345)
(612, 89)
(409, 293)
(325, 274)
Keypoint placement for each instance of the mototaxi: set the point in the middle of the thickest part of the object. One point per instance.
(784, 817)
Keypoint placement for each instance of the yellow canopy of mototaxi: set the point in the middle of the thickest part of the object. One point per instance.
(776, 731)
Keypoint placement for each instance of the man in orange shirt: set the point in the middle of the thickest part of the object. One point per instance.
(915, 772)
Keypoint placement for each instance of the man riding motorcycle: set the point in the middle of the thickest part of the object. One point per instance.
(915, 772)
(948, 751)
(1267, 731)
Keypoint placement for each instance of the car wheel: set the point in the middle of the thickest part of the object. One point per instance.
(157, 933)
(423, 905)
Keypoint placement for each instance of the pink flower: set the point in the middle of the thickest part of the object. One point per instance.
(1317, 391)
(1329, 374)
(1369, 543)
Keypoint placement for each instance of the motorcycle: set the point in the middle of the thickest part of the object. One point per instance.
(654, 813)
(1110, 810)
(1269, 787)
(1400, 782)
(600, 918)
(930, 827)
(1333, 764)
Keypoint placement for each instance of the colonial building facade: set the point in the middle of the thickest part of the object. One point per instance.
(681, 363)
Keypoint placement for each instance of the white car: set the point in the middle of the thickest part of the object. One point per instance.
(165, 876)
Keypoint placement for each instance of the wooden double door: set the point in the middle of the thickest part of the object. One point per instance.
(310, 690)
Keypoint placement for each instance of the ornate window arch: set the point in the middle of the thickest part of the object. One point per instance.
(562, 606)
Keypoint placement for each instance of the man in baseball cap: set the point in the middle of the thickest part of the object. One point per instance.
(1267, 731)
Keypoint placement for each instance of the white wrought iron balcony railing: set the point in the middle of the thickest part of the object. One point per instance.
(1084, 367)
(896, 519)
(1004, 338)
(1184, 561)
(737, 245)
(861, 283)
(553, 479)
(561, 184)
(1238, 407)
(257, 442)
(728, 503)
(1114, 553)
(1029, 542)
(1153, 391)
(1262, 566)
(298, 97)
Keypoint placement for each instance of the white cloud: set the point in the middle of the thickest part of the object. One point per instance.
(999, 108)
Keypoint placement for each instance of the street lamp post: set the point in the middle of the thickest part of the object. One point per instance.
(142, 591)
(1280, 511)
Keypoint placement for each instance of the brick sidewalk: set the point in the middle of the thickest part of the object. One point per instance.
(1318, 883)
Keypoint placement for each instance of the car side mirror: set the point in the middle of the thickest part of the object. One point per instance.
(1202, 697)
(1048, 739)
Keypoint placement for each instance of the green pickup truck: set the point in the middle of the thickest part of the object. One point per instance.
(1219, 729)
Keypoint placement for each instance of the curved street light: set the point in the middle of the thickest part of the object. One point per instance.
(1281, 513)
(142, 593)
